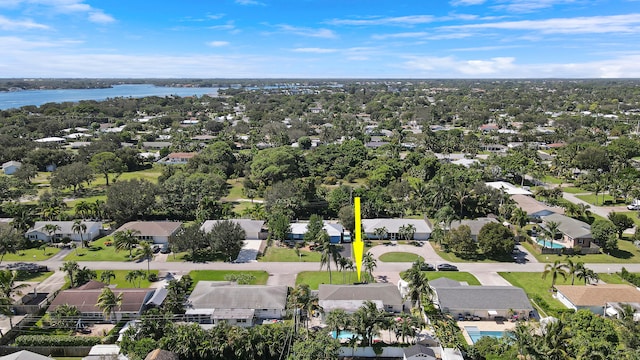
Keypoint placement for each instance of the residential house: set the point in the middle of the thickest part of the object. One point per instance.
(24, 355)
(157, 232)
(595, 297)
(535, 209)
(134, 302)
(177, 158)
(485, 302)
(351, 297)
(419, 352)
(212, 302)
(298, 229)
(255, 236)
(63, 229)
(10, 167)
(52, 140)
(574, 232)
(393, 228)
(475, 225)
(156, 145)
(508, 188)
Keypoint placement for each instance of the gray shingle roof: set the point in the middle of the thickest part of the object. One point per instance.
(483, 298)
(152, 228)
(252, 228)
(393, 225)
(571, 227)
(420, 349)
(387, 293)
(225, 295)
(475, 225)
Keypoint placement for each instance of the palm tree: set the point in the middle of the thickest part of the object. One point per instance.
(406, 326)
(551, 231)
(587, 275)
(368, 320)
(8, 286)
(328, 252)
(519, 217)
(8, 243)
(369, 263)
(108, 302)
(70, 267)
(83, 209)
(418, 284)
(106, 276)
(134, 275)
(50, 229)
(125, 240)
(145, 252)
(556, 269)
(574, 269)
(445, 216)
(337, 320)
(380, 232)
(79, 228)
(97, 209)
(23, 221)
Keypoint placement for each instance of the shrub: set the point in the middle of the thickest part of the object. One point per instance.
(56, 340)
(153, 277)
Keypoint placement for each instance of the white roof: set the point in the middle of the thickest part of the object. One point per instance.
(332, 229)
(508, 188)
(50, 139)
(394, 225)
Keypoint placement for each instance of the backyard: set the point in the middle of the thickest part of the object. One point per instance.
(627, 252)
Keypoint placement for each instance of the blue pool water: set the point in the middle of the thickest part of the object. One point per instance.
(545, 243)
(476, 334)
(344, 335)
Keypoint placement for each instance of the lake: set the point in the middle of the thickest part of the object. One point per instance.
(16, 99)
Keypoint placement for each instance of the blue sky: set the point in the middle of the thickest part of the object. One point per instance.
(320, 38)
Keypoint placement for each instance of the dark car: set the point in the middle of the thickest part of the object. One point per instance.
(156, 249)
(165, 250)
(427, 267)
(447, 267)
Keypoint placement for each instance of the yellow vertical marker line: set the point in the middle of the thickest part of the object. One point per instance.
(358, 245)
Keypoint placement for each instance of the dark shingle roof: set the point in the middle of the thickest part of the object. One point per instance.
(420, 349)
(86, 300)
(483, 298)
(224, 295)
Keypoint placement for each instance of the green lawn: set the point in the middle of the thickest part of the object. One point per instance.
(591, 199)
(453, 275)
(633, 215)
(32, 254)
(218, 275)
(451, 256)
(315, 278)
(552, 180)
(575, 190)
(281, 254)
(120, 281)
(235, 190)
(398, 257)
(535, 286)
(34, 277)
(612, 278)
(100, 252)
(626, 253)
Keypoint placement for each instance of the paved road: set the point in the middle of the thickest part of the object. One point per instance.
(598, 210)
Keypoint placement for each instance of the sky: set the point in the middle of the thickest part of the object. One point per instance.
(320, 39)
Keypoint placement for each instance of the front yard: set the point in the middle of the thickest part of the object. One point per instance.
(34, 254)
(315, 278)
(284, 254)
(100, 250)
(259, 277)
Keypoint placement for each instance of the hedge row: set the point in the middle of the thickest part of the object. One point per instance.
(56, 340)
(630, 277)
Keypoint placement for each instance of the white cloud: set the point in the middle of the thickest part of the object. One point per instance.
(472, 68)
(526, 6)
(100, 18)
(314, 50)
(403, 35)
(12, 25)
(15, 45)
(66, 7)
(249, 2)
(218, 43)
(629, 23)
(467, 2)
(395, 21)
(310, 32)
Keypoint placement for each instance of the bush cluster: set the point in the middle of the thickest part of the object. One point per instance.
(56, 340)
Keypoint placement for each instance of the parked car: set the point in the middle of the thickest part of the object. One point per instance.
(427, 267)
(447, 267)
(156, 249)
(165, 250)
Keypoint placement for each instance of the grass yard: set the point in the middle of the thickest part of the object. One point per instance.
(32, 254)
(453, 275)
(235, 190)
(608, 199)
(398, 257)
(633, 215)
(626, 253)
(100, 252)
(283, 254)
(575, 190)
(552, 180)
(90, 199)
(537, 288)
(451, 257)
(120, 281)
(315, 278)
(612, 278)
(33, 277)
(219, 275)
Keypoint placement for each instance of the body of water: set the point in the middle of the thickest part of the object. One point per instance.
(16, 99)
(476, 334)
(549, 244)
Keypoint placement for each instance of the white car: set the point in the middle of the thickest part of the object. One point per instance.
(633, 207)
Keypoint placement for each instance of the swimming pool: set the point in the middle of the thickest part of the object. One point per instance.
(476, 334)
(549, 244)
(344, 335)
